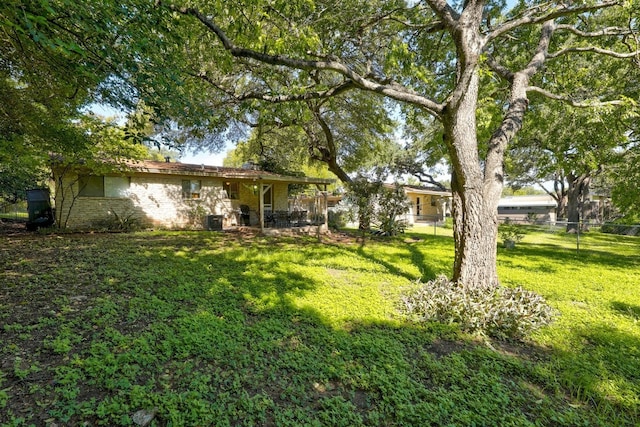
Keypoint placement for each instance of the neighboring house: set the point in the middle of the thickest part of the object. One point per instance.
(597, 208)
(428, 204)
(174, 195)
(540, 207)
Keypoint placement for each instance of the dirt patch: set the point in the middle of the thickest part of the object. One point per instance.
(443, 348)
(13, 228)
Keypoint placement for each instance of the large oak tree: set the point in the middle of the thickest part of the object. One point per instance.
(431, 55)
(207, 64)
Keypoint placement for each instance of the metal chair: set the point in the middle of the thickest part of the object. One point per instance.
(245, 217)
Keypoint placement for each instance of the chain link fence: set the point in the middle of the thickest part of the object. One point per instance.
(577, 232)
(13, 211)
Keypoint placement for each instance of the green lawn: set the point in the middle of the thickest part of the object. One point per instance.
(20, 215)
(223, 329)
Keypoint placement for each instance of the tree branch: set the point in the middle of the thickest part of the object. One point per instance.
(609, 31)
(570, 101)
(542, 51)
(500, 69)
(543, 13)
(594, 49)
(393, 91)
(448, 15)
(264, 96)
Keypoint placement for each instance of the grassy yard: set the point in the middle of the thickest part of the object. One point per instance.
(225, 329)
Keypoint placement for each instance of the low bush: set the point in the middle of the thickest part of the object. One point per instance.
(337, 219)
(126, 221)
(503, 313)
(623, 229)
(510, 233)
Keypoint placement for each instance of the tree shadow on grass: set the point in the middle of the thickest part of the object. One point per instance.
(542, 252)
(630, 310)
(206, 330)
(604, 368)
(413, 250)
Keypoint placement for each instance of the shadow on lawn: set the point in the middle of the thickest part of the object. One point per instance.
(630, 310)
(415, 250)
(604, 368)
(542, 252)
(205, 329)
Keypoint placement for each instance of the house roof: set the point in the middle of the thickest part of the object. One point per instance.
(541, 200)
(176, 168)
(417, 189)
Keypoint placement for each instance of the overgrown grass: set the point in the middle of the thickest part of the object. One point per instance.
(219, 329)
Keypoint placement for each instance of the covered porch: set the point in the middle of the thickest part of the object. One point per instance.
(267, 204)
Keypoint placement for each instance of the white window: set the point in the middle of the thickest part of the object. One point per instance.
(116, 186)
(103, 186)
(191, 188)
(232, 189)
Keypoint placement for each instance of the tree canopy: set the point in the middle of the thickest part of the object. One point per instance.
(211, 65)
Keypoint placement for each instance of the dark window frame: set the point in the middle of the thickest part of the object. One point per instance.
(188, 192)
(232, 189)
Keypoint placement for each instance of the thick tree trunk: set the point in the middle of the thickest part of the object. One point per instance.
(475, 235)
(475, 200)
(575, 193)
(477, 180)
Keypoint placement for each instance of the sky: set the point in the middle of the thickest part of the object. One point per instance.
(206, 158)
(202, 157)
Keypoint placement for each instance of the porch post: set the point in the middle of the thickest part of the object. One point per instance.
(261, 205)
(263, 190)
(325, 208)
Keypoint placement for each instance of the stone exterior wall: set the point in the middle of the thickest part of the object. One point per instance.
(156, 200)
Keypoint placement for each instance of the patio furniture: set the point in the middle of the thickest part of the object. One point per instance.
(302, 218)
(281, 219)
(294, 216)
(244, 215)
(269, 218)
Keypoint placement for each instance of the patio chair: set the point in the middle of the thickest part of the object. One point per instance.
(244, 215)
(294, 218)
(302, 218)
(269, 218)
(282, 219)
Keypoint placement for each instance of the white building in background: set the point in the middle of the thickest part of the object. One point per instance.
(539, 207)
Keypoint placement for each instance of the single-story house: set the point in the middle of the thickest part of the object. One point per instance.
(428, 204)
(176, 195)
(539, 207)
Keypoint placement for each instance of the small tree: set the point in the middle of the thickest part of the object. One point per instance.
(361, 196)
(374, 204)
(107, 152)
(391, 206)
(510, 234)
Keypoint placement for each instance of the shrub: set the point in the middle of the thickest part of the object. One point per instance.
(126, 221)
(337, 219)
(614, 228)
(392, 205)
(496, 312)
(510, 233)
